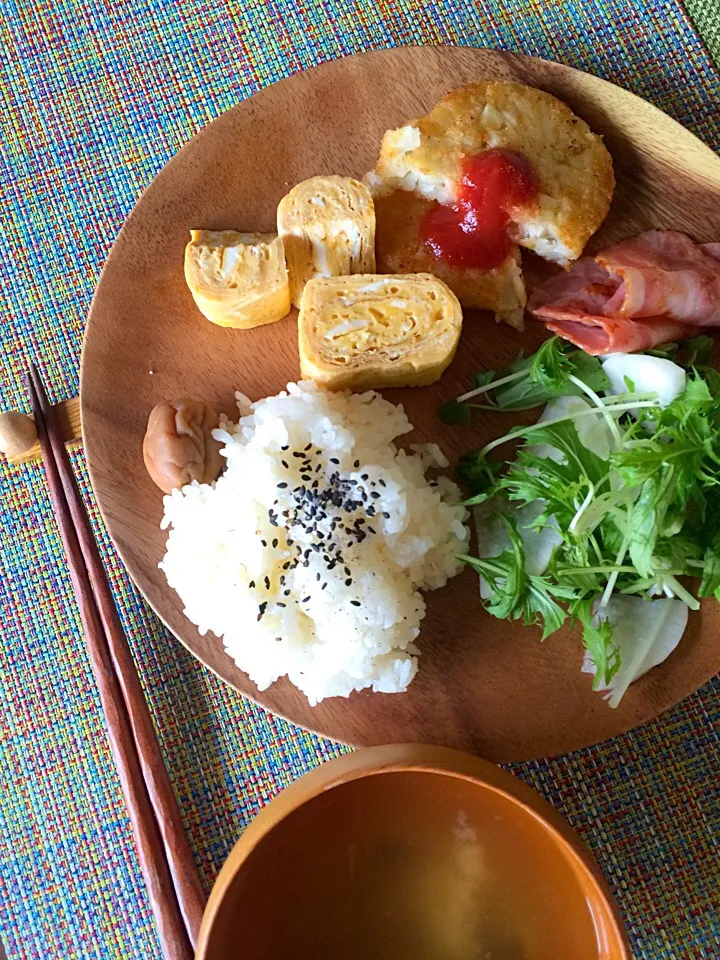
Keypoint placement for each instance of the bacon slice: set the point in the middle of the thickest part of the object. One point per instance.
(655, 287)
(601, 335)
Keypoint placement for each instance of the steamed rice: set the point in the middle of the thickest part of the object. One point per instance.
(293, 582)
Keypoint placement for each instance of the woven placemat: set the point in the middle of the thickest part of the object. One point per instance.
(706, 16)
(95, 98)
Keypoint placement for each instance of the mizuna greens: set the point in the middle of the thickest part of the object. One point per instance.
(617, 485)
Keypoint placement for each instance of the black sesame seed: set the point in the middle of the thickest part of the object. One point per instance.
(348, 582)
(364, 476)
(323, 586)
(286, 565)
(370, 511)
(305, 477)
(355, 603)
(264, 543)
(308, 447)
(356, 464)
(305, 600)
(275, 542)
(374, 494)
(298, 453)
(278, 639)
(317, 576)
(252, 584)
(334, 460)
(285, 464)
(347, 571)
(382, 483)
(371, 530)
(286, 593)
(386, 514)
(267, 583)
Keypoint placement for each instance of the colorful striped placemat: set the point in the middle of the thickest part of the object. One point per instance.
(95, 99)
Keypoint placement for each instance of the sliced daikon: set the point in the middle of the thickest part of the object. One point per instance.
(645, 633)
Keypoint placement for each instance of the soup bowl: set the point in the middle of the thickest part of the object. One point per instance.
(410, 852)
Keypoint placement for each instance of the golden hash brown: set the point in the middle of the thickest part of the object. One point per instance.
(573, 167)
(399, 249)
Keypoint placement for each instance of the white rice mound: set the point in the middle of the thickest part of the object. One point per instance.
(225, 538)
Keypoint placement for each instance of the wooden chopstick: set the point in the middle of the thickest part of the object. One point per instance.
(176, 894)
(190, 893)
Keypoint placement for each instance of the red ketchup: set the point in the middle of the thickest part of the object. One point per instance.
(473, 232)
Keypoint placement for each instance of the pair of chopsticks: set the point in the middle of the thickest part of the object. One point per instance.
(176, 895)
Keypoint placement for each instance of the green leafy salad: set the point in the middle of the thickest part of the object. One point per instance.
(606, 505)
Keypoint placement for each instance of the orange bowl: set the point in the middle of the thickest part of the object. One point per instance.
(410, 852)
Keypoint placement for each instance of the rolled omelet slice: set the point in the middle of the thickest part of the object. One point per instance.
(371, 330)
(237, 279)
(327, 225)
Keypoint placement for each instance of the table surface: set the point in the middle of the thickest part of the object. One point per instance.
(95, 99)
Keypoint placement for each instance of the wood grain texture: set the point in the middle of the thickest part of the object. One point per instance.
(484, 685)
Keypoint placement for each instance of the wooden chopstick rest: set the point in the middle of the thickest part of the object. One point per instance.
(67, 416)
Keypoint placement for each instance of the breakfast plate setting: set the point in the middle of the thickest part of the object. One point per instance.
(301, 325)
(399, 414)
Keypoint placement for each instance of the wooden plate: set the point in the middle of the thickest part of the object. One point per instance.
(484, 685)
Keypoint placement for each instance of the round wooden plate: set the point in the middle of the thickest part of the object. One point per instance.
(484, 685)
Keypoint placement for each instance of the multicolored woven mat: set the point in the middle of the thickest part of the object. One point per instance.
(94, 99)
